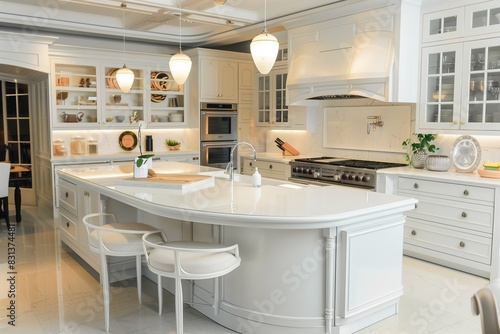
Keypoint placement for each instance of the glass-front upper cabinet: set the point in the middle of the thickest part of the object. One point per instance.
(272, 107)
(440, 87)
(76, 95)
(442, 25)
(166, 100)
(481, 87)
(122, 109)
(482, 18)
(264, 98)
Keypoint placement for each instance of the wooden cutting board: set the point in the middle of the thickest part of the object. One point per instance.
(170, 181)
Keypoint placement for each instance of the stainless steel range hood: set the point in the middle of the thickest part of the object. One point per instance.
(370, 54)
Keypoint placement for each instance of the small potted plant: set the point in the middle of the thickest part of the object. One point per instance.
(143, 162)
(172, 144)
(419, 149)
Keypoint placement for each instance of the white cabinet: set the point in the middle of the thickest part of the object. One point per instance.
(267, 168)
(460, 69)
(451, 225)
(218, 80)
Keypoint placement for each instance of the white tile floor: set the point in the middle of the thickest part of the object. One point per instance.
(56, 295)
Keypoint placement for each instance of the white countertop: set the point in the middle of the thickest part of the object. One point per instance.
(120, 156)
(451, 175)
(277, 204)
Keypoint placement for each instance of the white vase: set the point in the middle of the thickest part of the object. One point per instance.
(418, 159)
(142, 172)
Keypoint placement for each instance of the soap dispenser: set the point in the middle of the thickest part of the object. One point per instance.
(256, 178)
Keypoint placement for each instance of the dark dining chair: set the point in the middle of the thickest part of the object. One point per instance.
(4, 191)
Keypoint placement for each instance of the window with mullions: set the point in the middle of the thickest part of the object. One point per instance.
(16, 127)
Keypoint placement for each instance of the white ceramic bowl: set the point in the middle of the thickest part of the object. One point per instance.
(438, 163)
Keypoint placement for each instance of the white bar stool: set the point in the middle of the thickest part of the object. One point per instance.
(485, 303)
(106, 236)
(188, 260)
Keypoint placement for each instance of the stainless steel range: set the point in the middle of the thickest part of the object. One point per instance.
(341, 171)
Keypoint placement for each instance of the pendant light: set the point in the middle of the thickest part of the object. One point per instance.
(124, 76)
(180, 63)
(264, 48)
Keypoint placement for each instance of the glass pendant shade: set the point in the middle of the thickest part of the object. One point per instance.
(264, 49)
(125, 78)
(180, 66)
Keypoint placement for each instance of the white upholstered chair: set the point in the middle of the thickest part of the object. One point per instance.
(106, 236)
(486, 303)
(4, 191)
(188, 260)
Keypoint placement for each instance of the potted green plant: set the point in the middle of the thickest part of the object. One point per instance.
(417, 149)
(172, 144)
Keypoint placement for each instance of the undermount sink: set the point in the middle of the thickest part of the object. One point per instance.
(248, 179)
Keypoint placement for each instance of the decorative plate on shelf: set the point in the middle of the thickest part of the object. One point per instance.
(111, 80)
(157, 98)
(161, 81)
(127, 140)
(466, 154)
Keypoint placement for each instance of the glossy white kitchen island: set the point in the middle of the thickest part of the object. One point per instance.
(314, 259)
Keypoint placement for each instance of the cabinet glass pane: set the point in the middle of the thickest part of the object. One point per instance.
(285, 115)
(278, 116)
(435, 27)
(475, 113)
(449, 62)
(446, 114)
(494, 58)
(495, 16)
(477, 58)
(493, 112)
(450, 24)
(432, 113)
(279, 102)
(492, 86)
(433, 94)
(24, 130)
(479, 18)
(434, 63)
(279, 81)
(267, 103)
(476, 87)
(447, 89)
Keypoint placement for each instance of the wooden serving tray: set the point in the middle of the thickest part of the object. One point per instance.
(492, 174)
(170, 181)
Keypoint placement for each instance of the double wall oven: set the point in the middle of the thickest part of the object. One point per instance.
(218, 133)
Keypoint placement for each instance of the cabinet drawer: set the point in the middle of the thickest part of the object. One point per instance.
(67, 196)
(68, 225)
(482, 195)
(453, 213)
(448, 241)
(266, 165)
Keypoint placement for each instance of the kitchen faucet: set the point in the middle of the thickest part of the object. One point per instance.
(230, 165)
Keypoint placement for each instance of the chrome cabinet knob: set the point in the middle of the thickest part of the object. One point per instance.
(462, 244)
(413, 232)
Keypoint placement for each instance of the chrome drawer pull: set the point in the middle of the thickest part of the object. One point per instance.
(413, 232)
(251, 164)
(67, 194)
(464, 214)
(462, 244)
(270, 166)
(415, 186)
(67, 224)
(466, 192)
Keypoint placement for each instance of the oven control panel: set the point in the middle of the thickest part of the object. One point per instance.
(334, 174)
